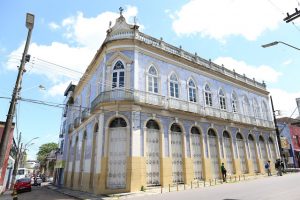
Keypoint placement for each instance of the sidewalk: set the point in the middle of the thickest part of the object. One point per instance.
(6, 195)
(154, 190)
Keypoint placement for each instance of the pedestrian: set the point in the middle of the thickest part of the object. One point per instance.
(278, 167)
(267, 167)
(282, 166)
(223, 170)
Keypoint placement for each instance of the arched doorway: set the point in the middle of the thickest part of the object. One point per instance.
(242, 152)
(82, 159)
(153, 153)
(197, 153)
(94, 155)
(214, 155)
(228, 152)
(74, 161)
(263, 150)
(272, 150)
(253, 153)
(117, 154)
(177, 154)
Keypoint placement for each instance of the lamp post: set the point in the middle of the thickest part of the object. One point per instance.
(277, 42)
(10, 115)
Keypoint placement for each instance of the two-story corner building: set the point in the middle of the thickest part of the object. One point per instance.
(148, 113)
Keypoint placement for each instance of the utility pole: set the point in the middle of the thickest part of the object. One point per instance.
(276, 129)
(10, 115)
(292, 17)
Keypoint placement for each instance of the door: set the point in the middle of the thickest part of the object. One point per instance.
(228, 154)
(263, 150)
(253, 155)
(213, 146)
(241, 150)
(152, 157)
(197, 156)
(177, 162)
(117, 158)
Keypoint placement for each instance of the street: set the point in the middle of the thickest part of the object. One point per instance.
(40, 193)
(275, 188)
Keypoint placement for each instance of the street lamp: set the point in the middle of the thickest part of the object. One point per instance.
(11, 111)
(277, 42)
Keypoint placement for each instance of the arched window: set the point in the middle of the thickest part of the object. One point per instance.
(234, 103)
(265, 111)
(246, 106)
(118, 122)
(151, 124)
(177, 153)
(118, 75)
(207, 95)
(175, 128)
(222, 100)
(256, 109)
(192, 91)
(174, 86)
(152, 80)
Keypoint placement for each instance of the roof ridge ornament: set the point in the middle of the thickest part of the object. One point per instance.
(121, 11)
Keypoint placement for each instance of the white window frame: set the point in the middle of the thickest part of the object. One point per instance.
(192, 91)
(234, 102)
(222, 99)
(256, 109)
(173, 84)
(116, 84)
(154, 80)
(208, 96)
(246, 106)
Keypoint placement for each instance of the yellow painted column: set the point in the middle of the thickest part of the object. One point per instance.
(250, 166)
(136, 173)
(102, 178)
(188, 170)
(206, 169)
(261, 166)
(166, 171)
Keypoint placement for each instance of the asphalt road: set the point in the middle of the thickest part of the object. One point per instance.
(285, 187)
(42, 193)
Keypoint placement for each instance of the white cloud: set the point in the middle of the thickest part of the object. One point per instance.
(84, 36)
(54, 26)
(220, 19)
(287, 62)
(285, 101)
(257, 72)
(91, 32)
(58, 90)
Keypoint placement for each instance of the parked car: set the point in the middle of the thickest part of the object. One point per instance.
(23, 184)
(36, 181)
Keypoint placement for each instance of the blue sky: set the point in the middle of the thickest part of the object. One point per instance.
(68, 33)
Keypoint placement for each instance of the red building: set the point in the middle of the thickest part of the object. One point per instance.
(295, 135)
(4, 167)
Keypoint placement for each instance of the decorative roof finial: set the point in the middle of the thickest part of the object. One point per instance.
(121, 11)
(134, 20)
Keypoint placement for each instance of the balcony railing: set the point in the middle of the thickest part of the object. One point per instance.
(140, 97)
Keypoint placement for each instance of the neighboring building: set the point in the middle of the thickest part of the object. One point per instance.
(290, 132)
(7, 160)
(147, 113)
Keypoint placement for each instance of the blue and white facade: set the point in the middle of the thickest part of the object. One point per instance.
(148, 113)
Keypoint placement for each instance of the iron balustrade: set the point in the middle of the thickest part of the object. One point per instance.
(141, 97)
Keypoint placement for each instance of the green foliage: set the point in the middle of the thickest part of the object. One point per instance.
(44, 150)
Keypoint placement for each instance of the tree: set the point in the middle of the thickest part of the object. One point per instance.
(43, 152)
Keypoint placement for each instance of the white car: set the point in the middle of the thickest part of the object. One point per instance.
(38, 181)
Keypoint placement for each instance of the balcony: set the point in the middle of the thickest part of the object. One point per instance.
(85, 114)
(76, 122)
(142, 98)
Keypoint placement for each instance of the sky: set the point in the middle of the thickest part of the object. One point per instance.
(67, 34)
